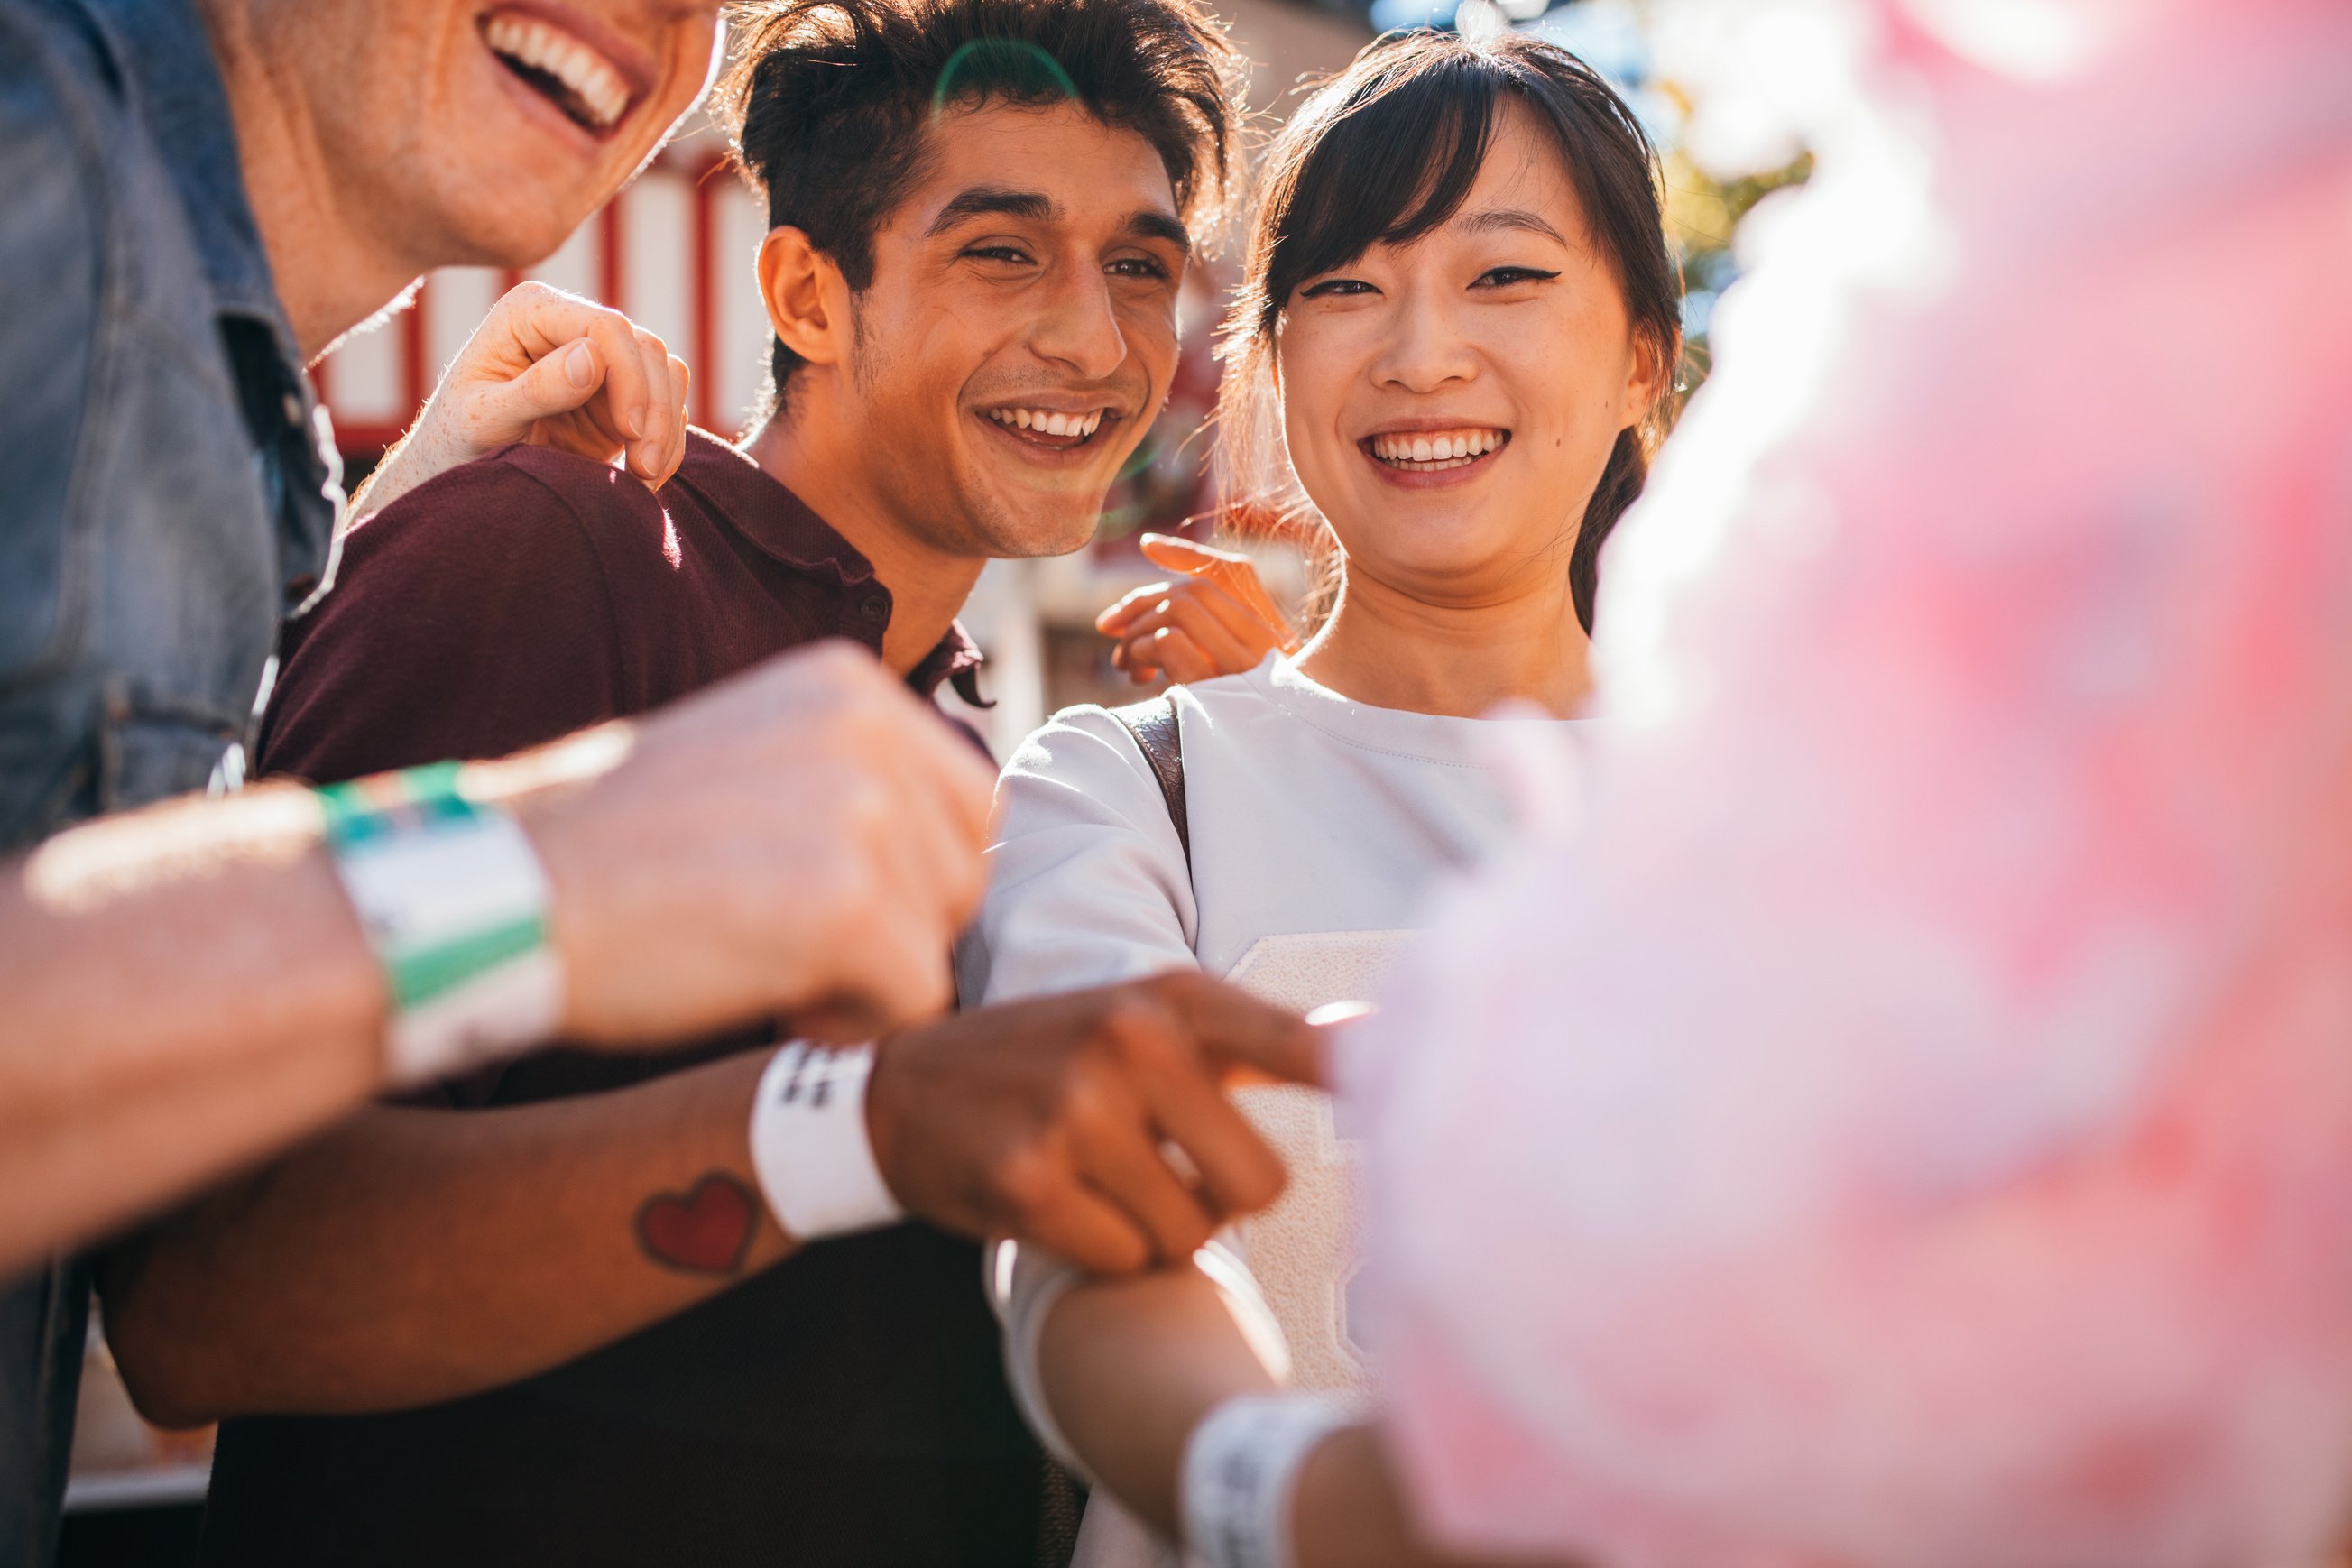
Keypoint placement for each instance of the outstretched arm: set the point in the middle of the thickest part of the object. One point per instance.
(412, 1255)
(1131, 1368)
(188, 990)
(188, 987)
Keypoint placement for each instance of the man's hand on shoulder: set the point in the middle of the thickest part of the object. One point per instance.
(1213, 617)
(1048, 1120)
(553, 370)
(801, 839)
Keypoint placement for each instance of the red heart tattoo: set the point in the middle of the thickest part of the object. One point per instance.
(708, 1231)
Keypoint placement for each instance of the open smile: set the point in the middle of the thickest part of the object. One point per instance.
(1435, 451)
(588, 85)
(1051, 431)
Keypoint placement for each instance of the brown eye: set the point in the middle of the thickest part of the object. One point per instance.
(1504, 276)
(1334, 287)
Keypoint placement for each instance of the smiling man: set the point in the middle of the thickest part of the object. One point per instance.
(537, 1319)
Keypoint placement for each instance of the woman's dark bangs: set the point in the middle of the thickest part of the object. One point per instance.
(1393, 165)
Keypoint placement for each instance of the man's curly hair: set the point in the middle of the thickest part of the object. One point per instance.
(829, 103)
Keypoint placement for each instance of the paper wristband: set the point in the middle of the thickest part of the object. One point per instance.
(453, 900)
(1023, 1281)
(1240, 1467)
(810, 1145)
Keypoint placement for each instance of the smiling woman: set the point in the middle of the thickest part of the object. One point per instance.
(1455, 333)
(1495, 208)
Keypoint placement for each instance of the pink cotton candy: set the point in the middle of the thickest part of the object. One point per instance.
(1906, 1117)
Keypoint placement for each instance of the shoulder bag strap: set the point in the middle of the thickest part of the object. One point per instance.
(1157, 737)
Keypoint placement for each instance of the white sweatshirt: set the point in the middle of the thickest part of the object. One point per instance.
(1318, 826)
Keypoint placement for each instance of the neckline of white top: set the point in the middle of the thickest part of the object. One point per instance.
(1432, 736)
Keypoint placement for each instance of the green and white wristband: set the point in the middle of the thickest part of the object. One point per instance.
(454, 901)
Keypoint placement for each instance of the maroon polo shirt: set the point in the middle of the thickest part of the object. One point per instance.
(846, 1407)
(530, 594)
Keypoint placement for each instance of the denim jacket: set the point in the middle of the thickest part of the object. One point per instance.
(167, 496)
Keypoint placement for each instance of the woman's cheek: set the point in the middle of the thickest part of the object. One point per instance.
(1311, 411)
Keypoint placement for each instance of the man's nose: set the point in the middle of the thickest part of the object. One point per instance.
(1079, 327)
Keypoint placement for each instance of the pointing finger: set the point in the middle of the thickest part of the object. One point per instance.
(1173, 552)
(1236, 1030)
(1229, 570)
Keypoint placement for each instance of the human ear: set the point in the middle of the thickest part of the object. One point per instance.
(806, 296)
(1650, 377)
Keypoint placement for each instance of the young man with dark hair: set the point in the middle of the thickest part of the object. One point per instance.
(982, 216)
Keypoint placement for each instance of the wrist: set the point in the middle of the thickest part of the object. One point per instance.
(551, 791)
(453, 902)
(1238, 1487)
(394, 475)
(881, 1100)
(811, 1146)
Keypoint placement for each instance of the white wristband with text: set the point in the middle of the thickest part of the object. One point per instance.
(810, 1147)
(1023, 1281)
(1241, 1467)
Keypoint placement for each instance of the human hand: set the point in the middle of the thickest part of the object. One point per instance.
(553, 370)
(803, 838)
(1215, 618)
(1045, 1120)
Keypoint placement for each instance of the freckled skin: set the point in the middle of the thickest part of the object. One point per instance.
(430, 141)
(1461, 326)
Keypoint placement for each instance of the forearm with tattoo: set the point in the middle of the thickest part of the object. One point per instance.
(707, 1229)
(416, 1256)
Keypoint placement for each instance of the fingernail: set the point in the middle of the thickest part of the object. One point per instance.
(633, 420)
(1332, 1013)
(579, 365)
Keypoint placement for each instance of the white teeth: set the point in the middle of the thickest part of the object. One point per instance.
(1049, 422)
(1443, 446)
(1435, 449)
(594, 83)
